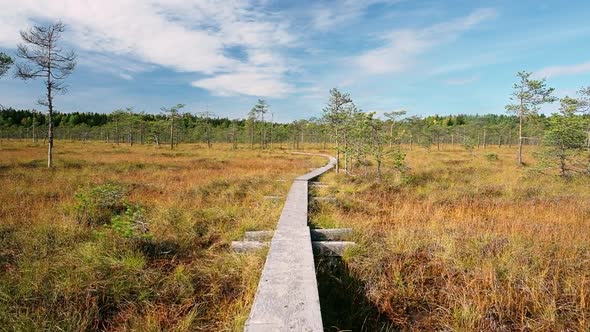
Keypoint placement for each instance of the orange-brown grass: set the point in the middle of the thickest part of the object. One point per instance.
(466, 243)
(59, 274)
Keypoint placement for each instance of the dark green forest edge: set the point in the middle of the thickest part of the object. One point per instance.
(127, 126)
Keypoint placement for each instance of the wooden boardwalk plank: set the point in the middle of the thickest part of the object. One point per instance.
(287, 297)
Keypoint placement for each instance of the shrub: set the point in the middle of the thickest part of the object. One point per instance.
(133, 223)
(491, 156)
(97, 205)
(398, 160)
(469, 146)
(213, 188)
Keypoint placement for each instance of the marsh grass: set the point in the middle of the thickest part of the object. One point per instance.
(467, 243)
(69, 257)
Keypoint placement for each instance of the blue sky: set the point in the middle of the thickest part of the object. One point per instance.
(428, 57)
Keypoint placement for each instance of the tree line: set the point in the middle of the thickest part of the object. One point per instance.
(431, 131)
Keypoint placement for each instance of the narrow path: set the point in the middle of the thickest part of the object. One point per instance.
(287, 296)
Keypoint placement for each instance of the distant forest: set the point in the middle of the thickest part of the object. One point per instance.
(127, 126)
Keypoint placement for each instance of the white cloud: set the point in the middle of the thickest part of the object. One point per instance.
(553, 71)
(246, 82)
(401, 47)
(183, 35)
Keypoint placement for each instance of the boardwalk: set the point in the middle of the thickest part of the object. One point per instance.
(287, 297)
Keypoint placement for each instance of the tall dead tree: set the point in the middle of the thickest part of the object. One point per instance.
(44, 59)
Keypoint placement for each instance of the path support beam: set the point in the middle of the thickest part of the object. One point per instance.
(320, 248)
(317, 234)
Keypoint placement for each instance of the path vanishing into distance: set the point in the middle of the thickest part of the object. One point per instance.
(287, 297)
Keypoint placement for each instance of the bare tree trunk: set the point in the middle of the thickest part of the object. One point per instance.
(484, 138)
(271, 125)
(208, 139)
(520, 138)
(345, 154)
(34, 132)
(142, 138)
(50, 122)
(171, 131)
(302, 141)
(117, 131)
(262, 132)
(337, 153)
(391, 136)
(562, 160)
(252, 136)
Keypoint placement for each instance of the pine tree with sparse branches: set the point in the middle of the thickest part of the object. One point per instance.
(44, 59)
(528, 95)
(173, 114)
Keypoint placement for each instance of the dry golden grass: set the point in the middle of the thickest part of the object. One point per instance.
(464, 243)
(460, 243)
(58, 274)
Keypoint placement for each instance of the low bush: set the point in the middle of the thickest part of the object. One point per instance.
(97, 205)
(132, 224)
(491, 156)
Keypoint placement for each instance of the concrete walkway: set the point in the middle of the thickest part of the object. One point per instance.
(287, 296)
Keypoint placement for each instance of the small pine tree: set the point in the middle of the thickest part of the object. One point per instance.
(564, 140)
(528, 95)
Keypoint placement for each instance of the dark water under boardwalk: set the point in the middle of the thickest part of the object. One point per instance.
(343, 301)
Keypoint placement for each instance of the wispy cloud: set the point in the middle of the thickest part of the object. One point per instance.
(461, 80)
(126, 77)
(326, 16)
(185, 36)
(401, 47)
(554, 71)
